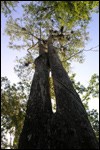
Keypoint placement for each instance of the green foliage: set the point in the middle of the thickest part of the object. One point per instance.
(91, 91)
(69, 13)
(7, 7)
(93, 117)
(13, 107)
(74, 16)
(25, 72)
(25, 31)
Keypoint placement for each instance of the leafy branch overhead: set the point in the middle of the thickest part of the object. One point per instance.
(66, 20)
(8, 6)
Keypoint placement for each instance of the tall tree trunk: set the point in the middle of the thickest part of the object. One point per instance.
(70, 125)
(35, 133)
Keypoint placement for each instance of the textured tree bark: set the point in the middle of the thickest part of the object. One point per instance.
(70, 127)
(41, 47)
(35, 133)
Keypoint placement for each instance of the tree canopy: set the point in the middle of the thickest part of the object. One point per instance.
(39, 19)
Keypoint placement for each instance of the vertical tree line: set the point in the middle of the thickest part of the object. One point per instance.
(69, 127)
(35, 130)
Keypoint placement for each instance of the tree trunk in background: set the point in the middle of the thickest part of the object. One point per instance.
(70, 128)
(36, 132)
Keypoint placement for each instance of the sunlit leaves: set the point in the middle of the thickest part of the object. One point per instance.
(72, 11)
(92, 90)
(93, 117)
(13, 107)
(52, 15)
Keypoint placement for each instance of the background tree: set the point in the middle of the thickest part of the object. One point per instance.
(13, 108)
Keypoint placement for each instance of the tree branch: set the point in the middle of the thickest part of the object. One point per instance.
(91, 49)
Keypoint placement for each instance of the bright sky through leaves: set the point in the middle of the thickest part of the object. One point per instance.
(83, 71)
